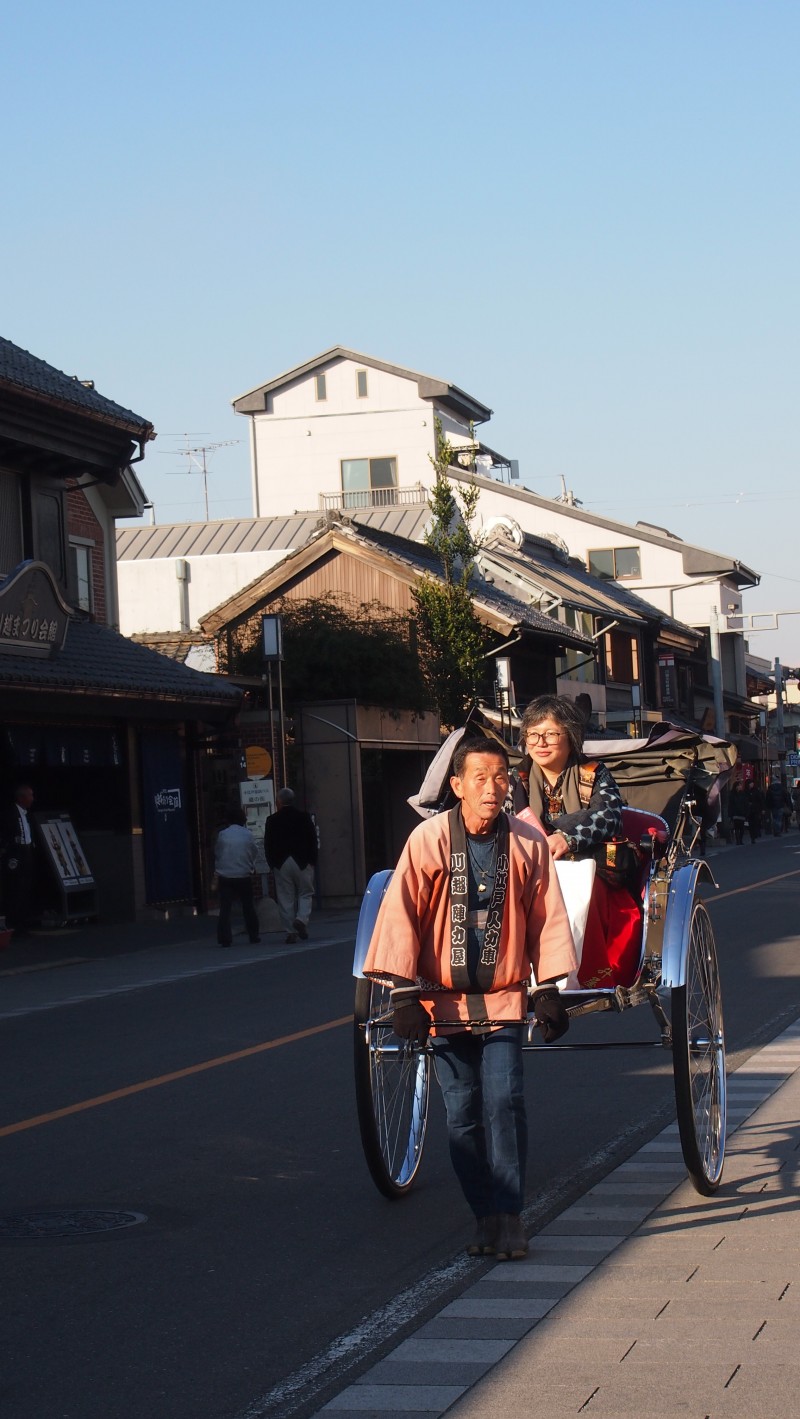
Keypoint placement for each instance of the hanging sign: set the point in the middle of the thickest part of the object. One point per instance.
(33, 618)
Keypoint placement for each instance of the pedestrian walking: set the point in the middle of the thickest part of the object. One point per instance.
(754, 811)
(235, 863)
(796, 802)
(290, 847)
(737, 812)
(776, 797)
(473, 904)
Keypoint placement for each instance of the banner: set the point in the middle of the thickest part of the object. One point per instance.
(167, 867)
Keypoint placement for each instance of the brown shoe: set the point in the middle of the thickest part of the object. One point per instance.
(511, 1244)
(483, 1243)
(301, 929)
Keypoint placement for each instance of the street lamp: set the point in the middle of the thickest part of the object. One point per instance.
(272, 653)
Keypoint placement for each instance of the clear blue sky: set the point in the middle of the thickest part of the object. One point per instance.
(584, 212)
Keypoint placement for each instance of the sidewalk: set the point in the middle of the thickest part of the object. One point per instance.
(61, 968)
(642, 1299)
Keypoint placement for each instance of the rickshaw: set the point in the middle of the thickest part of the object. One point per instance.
(668, 782)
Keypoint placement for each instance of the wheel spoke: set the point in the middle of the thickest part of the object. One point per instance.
(392, 1081)
(700, 1057)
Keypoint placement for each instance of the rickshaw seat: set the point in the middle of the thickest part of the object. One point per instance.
(612, 949)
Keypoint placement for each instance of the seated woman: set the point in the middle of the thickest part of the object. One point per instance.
(579, 807)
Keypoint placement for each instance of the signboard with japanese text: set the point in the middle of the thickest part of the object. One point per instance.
(258, 800)
(165, 821)
(64, 849)
(33, 618)
(666, 675)
(67, 861)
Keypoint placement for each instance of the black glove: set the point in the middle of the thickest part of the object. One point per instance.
(410, 1019)
(551, 1013)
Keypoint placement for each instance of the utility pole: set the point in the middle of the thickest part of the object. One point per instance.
(779, 721)
(716, 673)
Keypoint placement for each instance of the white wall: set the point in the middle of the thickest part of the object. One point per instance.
(150, 590)
(663, 581)
(658, 564)
(300, 443)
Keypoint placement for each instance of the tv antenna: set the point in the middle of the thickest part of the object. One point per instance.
(198, 460)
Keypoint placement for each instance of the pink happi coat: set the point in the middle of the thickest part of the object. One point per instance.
(412, 933)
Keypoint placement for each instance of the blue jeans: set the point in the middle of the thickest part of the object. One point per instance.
(480, 1077)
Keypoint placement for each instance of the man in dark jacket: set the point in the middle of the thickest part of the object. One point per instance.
(290, 847)
(16, 859)
(777, 799)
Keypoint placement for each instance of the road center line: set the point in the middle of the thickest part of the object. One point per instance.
(170, 1078)
(764, 882)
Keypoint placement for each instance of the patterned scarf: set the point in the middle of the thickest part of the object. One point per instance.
(549, 801)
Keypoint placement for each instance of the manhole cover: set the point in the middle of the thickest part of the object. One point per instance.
(78, 1222)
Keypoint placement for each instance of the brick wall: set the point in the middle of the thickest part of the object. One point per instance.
(81, 522)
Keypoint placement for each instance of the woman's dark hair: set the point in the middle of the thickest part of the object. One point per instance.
(563, 711)
(476, 746)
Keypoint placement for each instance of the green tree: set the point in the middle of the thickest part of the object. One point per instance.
(335, 650)
(451, 639)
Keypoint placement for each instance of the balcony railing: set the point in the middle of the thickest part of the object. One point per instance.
(373, 498)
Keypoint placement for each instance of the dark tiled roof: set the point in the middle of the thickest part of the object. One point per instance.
(96, 659)
(176, 645)
(422, 559)
(30, 375)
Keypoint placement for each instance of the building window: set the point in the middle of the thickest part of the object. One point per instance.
(361, 384)
(622, 657)
(615, 563)
(11, 546)
(50, 533)
(369, 482)
(81, 568)
(578, 665)
(320, 387)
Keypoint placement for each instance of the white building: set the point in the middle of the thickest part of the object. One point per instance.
(345, 430)
(695, 586)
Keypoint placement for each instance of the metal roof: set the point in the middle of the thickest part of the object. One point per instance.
(541, 565)
(259, 534)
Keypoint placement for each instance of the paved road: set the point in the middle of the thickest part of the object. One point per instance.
(264, 1239)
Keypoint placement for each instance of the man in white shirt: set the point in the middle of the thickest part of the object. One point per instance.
(235, 863)
(16, 855)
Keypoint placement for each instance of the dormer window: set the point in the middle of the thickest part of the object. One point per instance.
(361, 384)
(320, 387)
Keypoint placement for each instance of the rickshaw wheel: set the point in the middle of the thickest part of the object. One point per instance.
(699, 1057)
(392, 1090)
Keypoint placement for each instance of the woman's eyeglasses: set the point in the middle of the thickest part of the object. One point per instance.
(550, 736)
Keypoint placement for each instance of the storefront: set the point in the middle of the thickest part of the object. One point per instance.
(117, 737)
